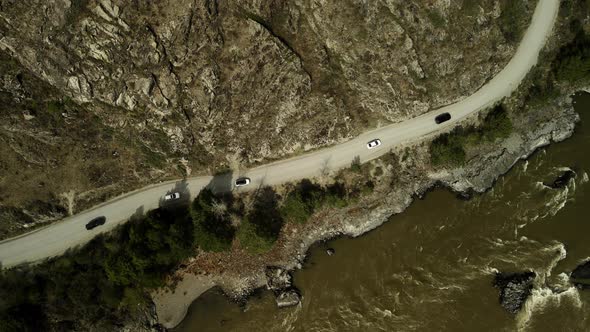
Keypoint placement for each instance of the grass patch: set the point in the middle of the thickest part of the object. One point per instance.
(251, 240)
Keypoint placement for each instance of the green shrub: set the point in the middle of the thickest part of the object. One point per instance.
(307, 197)
(449, 149)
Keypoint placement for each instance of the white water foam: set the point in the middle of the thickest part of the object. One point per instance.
(541, 298)
(544, 294)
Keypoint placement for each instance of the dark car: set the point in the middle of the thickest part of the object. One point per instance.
(242, 182)
(442, 118)
(96, 222)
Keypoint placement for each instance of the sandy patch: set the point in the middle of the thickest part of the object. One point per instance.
(172, 306)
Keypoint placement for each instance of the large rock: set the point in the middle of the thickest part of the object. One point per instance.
(562, 180)
(279, 281)
(514, 288)
(288, 298)
(581, 275)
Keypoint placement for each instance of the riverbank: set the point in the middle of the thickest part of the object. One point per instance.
(407, 174)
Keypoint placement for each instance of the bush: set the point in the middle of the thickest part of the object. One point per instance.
(513, 12)
(449, 149)
(572, 63)
(355, 165)
(307, 197)
(212, 230)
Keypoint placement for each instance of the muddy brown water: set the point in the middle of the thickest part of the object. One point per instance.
(431, 268)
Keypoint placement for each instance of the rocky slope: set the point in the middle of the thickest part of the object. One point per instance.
(178, 88)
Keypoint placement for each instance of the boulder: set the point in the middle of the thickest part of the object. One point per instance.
(288, 298)
(280, 282)
(515, 288)
(277, 279)
(562, 180)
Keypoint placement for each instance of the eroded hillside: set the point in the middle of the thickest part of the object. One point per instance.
(102, 97)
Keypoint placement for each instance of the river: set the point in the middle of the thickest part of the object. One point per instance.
(432, 267)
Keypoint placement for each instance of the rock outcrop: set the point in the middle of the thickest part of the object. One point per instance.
(280, 282)
(514, 289)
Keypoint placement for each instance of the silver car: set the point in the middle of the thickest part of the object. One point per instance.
(172, 196)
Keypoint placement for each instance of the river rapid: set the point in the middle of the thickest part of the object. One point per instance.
(432, 267)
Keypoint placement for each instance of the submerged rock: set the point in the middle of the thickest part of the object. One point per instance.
(562, 180)
(581, 275)
(330, 251)
(288, 298)
(514, 288)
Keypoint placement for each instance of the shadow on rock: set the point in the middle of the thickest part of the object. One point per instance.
(581, 276)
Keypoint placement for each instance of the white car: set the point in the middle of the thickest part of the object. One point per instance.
(242, 182)
(172, 196)
(373, 144)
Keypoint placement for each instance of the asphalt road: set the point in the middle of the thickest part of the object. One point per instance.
(70, 232)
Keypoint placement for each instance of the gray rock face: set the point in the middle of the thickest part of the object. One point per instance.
(279, 281)
(514, 289)
(212, 69)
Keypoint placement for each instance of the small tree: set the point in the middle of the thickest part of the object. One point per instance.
(213, 230)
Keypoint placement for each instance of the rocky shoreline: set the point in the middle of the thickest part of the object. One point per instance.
(413, 179)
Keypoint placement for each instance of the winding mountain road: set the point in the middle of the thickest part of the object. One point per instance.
(70, 232)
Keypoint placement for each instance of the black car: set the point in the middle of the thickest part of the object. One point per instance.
(96, 222)
(242, 182)
(442, 118)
